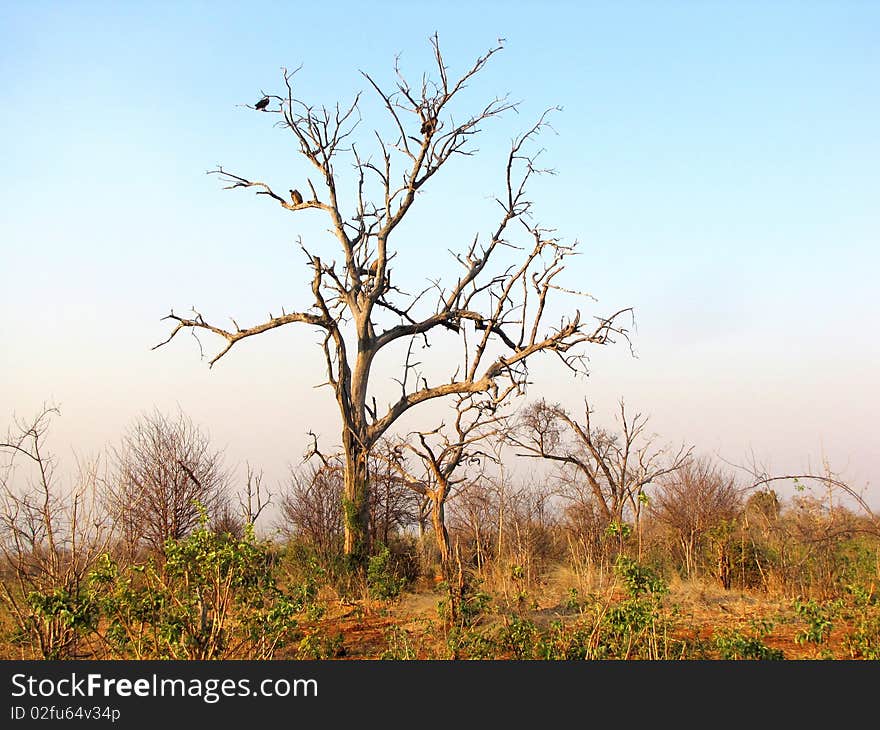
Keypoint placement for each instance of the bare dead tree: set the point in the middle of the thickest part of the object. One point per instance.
(613, 467)
(167, 475)
(394, 506)
(473, 517)
(497, 306)
(50, 538)
(691, 501)
(311, 508)
(444, 455)
(254, 498)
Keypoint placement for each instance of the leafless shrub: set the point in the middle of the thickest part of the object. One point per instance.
(252, 500)
(394, 506)
(166, 476)
(472, 519)
(693, 501)
(603, 475)
(311, 508)
(506, 532)
(50, 539)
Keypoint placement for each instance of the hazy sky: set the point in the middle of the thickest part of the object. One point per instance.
(717, 163)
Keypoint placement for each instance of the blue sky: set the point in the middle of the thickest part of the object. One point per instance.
(717, 163)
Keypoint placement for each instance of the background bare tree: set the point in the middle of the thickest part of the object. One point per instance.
(50, 539)
(497, 305)
(311, 508)
(472, 518)
(253, 499)
(166, 475)
(694, 500)
(311, 505)
(444, 455)
(394, 506)
(601, 472)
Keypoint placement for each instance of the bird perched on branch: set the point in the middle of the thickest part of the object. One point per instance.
(296, 197)
(262, 104)
(428, 126)
(369, 271)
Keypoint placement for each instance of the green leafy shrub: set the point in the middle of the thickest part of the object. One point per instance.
(572, 603)
(639, 579)
(214, 597)
(400, 646)
(473, 602)
(65, 614)
(563, 643)
(862, 640)
(320, 645)
(469, 643)
(519, 638)
(383, 579)
(732, 644)
(819, 619)
(639, 626)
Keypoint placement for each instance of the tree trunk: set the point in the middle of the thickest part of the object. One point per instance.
(438, 520)
(687, 547)
(356, 502)
(724, 566)
(425, 507)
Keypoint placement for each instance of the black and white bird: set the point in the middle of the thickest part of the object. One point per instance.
(296, 197)
(262, 104)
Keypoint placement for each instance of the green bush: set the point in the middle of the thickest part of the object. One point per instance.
(518, 638)
(862, 640)
(473, 602)
(400, 646)
(214, 597)
(732, 644)
(470, 643)
(64, 615)
(819, 619)
(320, 645)
(383, 579)
(564, 643)
(639, 579)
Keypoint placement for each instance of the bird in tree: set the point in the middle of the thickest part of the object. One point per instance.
(262, 104)
(370, 270)
(296, 197)
(428, 126)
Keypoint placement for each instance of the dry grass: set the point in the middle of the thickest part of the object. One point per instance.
(702, 609)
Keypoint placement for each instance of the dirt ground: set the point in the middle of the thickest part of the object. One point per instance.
(367, 628)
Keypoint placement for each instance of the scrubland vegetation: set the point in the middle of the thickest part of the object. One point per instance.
(155, 553)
